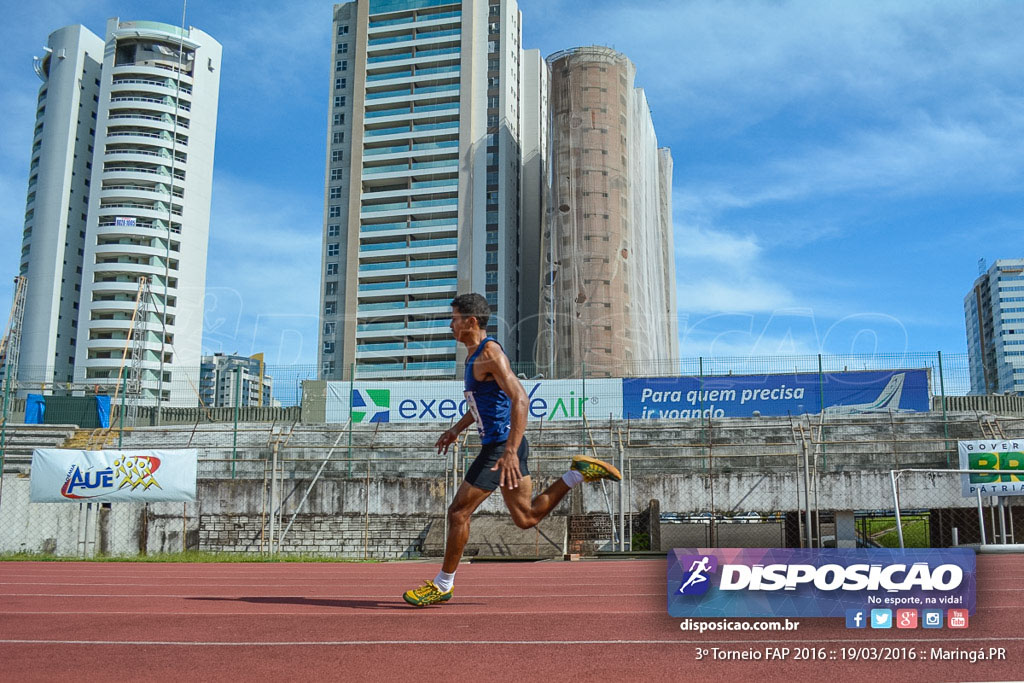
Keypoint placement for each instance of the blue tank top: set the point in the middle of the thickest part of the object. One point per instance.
(490, 405)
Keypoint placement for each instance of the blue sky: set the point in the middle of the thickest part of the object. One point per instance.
(839, 167)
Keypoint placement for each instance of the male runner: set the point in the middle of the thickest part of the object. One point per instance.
(497, 402)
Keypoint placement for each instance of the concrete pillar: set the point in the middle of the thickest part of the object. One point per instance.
(846, 529)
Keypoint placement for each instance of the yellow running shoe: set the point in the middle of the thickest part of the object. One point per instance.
(427, 594)
(593, 469)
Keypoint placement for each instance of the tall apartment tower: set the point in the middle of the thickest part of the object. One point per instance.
(422, 194)
(608, 298)
(994, 315)
(119, 188)
(57, 205)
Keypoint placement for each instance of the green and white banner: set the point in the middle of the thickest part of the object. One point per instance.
(443, 401)
(1004, 457)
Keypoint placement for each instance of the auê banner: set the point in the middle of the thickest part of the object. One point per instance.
(818, 582)
(143, 476)
(1005, 459)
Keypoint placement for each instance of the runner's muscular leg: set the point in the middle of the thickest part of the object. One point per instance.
(527, 513)
(467, 500)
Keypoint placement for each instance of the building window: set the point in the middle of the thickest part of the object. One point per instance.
(334, 212)
(331, 289)
(492, 102)
(328, 347)
(333, 230)
(330, 307)
(337, 173)
(339, 119)
(332, 268)
(328, 329)
(337, 155)
(327, 368)
(342, 48)
(338, 137)
(340, 83)
(332, 249)
(492, 120)
(341, 65)
(492, 257)
(342, 29)
(335, 193)
(339, 101)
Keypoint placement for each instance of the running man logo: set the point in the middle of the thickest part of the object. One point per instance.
(129, 472)
(1013, 461)
(695, 581)
(371, 405)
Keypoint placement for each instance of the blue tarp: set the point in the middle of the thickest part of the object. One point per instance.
(35, 409)
(84, 411)
(103, 410)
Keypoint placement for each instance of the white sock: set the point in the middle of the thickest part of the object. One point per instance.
(444, 581)
(572, 478)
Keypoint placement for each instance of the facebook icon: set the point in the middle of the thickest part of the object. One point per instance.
(856, 618)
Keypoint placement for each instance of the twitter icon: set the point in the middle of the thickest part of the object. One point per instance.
(881, 618)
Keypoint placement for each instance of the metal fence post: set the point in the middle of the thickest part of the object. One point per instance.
(896, 506)
(351, 395)
(120, 417)
(3, 416)
(238, 397)
(622, 498)
(945, 421)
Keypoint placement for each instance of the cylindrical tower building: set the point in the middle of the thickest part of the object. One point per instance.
(149, 211)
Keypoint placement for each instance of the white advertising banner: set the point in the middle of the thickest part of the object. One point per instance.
(150, 476)
(1004, 457)
(549, 400)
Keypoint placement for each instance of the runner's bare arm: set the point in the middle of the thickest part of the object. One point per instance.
(449, 435)
(495, 363)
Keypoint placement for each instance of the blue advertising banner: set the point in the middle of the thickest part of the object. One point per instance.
(813, 582)
(838, 393)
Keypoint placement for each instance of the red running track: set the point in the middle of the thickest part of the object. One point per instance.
(592, 620)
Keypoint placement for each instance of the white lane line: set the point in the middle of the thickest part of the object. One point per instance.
(359, 643)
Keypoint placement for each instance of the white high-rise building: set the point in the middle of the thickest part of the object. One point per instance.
(422, 194)
(124, 147)
(56, 210)
(994, 315)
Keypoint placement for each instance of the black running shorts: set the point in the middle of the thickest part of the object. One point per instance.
(479, 473)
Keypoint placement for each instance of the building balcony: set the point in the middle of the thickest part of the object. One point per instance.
(159, 72)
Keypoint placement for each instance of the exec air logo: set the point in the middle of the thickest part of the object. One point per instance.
(696, 580)
(371, 405)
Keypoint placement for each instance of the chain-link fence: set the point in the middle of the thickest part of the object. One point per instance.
(187, 387)
(381, 492)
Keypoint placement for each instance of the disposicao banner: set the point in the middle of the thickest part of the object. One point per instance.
(113, 476)
(819, 582)
(1004, 457)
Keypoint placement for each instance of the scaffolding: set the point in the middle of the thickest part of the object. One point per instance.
(129, 385)
(10, 351)
(607, 299)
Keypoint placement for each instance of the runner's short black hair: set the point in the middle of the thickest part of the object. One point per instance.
(473, 304)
